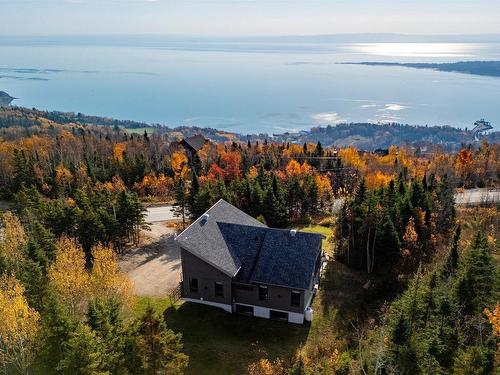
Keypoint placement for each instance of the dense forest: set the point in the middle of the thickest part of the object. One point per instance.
(77, 193)
(363, 136)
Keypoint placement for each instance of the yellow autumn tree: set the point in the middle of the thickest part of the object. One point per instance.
(68, 276)
(63, 177)
(494, 319)
(410, 249)
(377, 179)
(180, 164)
(19, 326)
(76, 285)
(253, 172)
(118, 151)
(12, 238)
(107, 280)
(305, 168)
(293, 168)
(324, 187)
(351, 158)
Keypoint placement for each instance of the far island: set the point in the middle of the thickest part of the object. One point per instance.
(5, 99)
(482, 68)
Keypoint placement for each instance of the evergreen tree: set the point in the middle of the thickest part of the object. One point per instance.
(83, 353)
(158, 347)
(387, 247)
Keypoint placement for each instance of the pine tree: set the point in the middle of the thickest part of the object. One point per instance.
(83, 353)
(452, 262)
(158, 347)
(387, 247)
(474, 285)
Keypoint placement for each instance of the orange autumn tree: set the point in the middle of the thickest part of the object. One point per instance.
(293, 168)
(118, 151)
(232, 161)
(180, 164)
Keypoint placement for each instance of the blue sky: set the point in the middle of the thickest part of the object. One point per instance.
(248, 17)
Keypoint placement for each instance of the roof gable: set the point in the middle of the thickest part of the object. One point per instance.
(204, 237)
(196, 142)
(244, 248)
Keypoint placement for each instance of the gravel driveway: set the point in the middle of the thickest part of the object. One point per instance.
(155, 266)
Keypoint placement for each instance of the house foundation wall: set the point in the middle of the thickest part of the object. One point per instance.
(223, 306)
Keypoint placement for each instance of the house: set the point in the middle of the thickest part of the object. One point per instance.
(232, 261)
(193, 144)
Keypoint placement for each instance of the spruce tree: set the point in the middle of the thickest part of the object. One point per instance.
(158, 347)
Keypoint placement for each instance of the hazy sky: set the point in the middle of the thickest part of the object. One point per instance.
(248, 17)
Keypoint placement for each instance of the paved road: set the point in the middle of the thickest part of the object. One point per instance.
(160, 213)
(477, 196)
(470, 196)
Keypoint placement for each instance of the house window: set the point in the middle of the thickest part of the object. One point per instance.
(263, 295)
(295, 299)
(278, 315)
(219, 289)
(193, 285)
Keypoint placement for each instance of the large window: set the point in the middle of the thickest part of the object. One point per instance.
(193, 285)
(219, 289)
(295, 298)
(263, 294)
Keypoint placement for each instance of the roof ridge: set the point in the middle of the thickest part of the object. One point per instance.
(258, 255)
(200, 217)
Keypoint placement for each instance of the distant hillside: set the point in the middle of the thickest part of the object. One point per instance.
(372, 136)
(482, 68)
(361, 135)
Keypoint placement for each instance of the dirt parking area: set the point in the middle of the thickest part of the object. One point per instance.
(155, 266)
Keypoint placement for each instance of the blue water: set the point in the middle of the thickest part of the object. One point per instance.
(250, 87)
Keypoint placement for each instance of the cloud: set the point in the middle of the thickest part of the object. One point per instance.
(327, 118)
(368, 106)
(393, 107)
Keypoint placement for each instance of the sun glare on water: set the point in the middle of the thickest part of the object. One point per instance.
(417, 49)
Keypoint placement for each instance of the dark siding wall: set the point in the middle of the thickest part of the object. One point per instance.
(279, 298)
(207, 275)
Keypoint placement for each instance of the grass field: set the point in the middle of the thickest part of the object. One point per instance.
(219, 343)
(325, 231)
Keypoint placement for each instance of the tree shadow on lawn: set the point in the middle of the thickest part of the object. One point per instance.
(220, 343)
(343, 302)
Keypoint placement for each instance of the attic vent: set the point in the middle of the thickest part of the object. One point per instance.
(205, 217)
(293, 232)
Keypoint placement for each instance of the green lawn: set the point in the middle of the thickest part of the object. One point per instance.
(325, 231)
(220, 343)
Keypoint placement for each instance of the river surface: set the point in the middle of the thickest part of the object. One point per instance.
(249, 87)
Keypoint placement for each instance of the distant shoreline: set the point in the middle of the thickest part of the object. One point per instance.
(481, 68)
(5, 99)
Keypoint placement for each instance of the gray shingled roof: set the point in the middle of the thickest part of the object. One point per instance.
(287, 260)
(205, 239)
(196, 141)
(249, 251)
